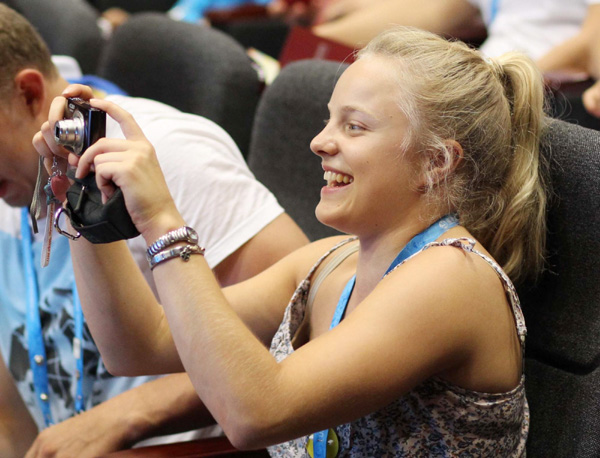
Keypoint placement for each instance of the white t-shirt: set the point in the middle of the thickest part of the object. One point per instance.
(207, 175)
(532, 27)
(216, 194)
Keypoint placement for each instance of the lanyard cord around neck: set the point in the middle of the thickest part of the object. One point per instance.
(35, 338)
(413, 246)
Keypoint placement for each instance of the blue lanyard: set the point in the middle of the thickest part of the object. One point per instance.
(78, 350)
(35, 338)
(494, 6)
(413, 246)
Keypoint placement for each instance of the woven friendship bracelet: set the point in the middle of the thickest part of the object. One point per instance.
(183, 252)
(183, 234)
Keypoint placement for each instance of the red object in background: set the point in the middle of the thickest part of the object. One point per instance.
(242, 12)
(301, 43)
(289, 2)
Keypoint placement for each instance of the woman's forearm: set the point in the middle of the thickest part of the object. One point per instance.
(229, 367)
(356, 29)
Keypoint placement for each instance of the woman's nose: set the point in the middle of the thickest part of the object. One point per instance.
(323, 143)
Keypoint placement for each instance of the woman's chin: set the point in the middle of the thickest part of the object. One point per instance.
(330, 218)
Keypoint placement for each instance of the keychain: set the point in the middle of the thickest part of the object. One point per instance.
(58, 183)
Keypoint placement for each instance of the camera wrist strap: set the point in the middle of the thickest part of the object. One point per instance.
(96, 221)
(322, 439)
(35, 338)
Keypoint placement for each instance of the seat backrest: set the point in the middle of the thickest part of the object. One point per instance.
(68, 27)
(563, 310)
(290, 113)
(193, 68)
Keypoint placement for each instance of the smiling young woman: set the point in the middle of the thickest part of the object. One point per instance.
(364, 140)
(430, 158)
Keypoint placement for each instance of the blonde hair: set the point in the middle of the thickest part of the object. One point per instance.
(495, 110)
(20, 47)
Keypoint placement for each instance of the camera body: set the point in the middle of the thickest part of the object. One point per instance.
(82, 126)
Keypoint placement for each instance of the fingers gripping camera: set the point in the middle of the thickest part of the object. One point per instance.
(97, 222)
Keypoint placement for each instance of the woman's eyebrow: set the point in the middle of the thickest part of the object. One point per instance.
(351, 109)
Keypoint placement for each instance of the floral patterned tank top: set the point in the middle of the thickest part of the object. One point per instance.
(434, 419)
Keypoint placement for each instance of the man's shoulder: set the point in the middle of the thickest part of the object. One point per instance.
(140, 105)
(159, 120)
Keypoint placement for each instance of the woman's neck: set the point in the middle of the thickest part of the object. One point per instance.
(378, 251)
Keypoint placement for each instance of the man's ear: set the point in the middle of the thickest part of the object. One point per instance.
(442, 162)
(30, 87)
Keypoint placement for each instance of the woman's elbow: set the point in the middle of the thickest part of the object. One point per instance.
(250, 432)
(245, 437)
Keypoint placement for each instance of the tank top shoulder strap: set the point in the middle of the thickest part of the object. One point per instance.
(468, 245)
(338, 254)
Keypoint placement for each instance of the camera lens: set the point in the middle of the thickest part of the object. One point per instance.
(70, 133)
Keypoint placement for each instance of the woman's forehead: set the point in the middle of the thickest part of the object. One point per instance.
(371, 83)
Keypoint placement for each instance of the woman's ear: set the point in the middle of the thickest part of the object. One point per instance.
(442, 163)
(456, 154)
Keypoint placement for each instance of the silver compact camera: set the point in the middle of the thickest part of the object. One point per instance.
(82, 126)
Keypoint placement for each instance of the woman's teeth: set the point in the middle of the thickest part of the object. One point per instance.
(336, 179)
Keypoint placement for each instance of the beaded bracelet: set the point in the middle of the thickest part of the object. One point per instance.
(183, 234)
(183, 252)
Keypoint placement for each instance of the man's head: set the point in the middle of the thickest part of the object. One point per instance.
(20, 47)
(28, 82)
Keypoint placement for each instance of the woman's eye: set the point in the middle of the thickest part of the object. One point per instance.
(354, 127)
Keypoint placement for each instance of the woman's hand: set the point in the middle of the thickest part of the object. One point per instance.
(131, 164)
(591, 99)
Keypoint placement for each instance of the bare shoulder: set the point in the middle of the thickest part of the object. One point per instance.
(446, 292)
(450, 296)
(456, 274)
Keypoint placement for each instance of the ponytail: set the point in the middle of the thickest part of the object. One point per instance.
(520, 238)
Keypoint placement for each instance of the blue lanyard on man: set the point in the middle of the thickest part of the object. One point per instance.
(322, 438)
(35, 337)
(494, 7)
